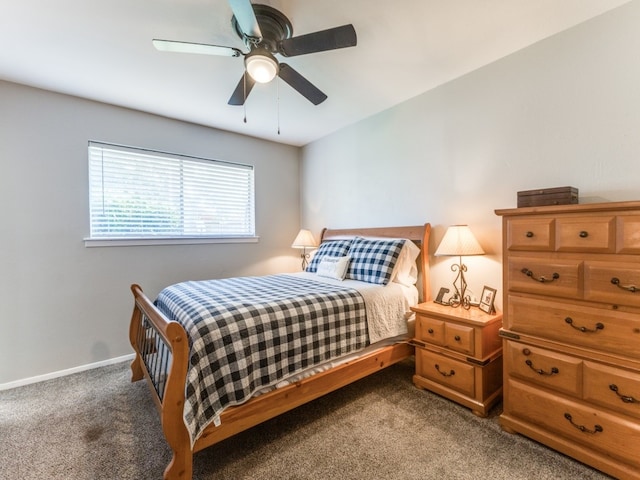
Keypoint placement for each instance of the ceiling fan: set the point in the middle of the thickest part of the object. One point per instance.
(266, 32)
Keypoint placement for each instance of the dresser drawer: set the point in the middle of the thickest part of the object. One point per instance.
(544, 276)
(600, 430)
(605, 330)
(531, 234)
(585, 234)
(613, 388)
(459, 338)
(550, 369)
(628, 234)
(614, 283)
(446, 371)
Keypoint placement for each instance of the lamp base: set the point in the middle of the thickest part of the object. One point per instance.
(305, 259)
(459, 298)
(465, 303)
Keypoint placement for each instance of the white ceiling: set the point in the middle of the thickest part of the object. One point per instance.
(102, 50)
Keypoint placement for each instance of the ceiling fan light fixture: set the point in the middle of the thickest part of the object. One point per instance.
(261, 65)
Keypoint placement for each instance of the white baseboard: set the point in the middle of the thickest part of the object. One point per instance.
(63, 373)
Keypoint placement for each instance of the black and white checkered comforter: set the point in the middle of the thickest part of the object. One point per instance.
(249, 333)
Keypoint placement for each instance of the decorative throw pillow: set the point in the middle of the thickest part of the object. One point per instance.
(372, 261)
(333, 267)
(332, 248)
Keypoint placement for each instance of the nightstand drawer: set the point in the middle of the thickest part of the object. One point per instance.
(459, 338)
(446, 371)
(550, 369)
(430, 330)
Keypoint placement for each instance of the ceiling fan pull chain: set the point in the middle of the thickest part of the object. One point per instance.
(278, 101)
(244, 94)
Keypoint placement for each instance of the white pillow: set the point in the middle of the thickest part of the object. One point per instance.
(333, 267)
(406, 271)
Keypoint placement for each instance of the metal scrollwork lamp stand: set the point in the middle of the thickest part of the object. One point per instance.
(459, 241)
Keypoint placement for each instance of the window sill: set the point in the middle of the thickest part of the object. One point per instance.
(135, 242)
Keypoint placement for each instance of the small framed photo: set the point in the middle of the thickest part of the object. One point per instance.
(486, 300)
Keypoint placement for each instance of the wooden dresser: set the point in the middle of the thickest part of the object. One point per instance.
(572, 331)
(459, 355)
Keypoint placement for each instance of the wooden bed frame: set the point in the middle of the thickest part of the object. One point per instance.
(165, 368)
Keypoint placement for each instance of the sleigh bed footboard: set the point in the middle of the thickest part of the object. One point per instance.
(161, 356)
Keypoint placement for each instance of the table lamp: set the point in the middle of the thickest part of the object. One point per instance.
(459, 241)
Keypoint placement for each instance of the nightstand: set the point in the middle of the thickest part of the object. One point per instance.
(459, 355)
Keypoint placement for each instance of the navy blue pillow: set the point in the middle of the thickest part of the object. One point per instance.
(373, 261)
(332, 248)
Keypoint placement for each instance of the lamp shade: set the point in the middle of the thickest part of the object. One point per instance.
(304, 239)
(261, 65)
(458, 240)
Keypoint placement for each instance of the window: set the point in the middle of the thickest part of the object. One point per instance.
(141, 194)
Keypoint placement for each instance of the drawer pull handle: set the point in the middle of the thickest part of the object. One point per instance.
(539, 371)
(629, 288)
(624, 398)
(445, 374)
(599, 326)
(582, 428)
(529, 234)
(457, 338)
(542, 278)
(430, 331)
(584, 234)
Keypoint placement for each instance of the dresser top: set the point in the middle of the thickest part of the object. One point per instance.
(574, 208)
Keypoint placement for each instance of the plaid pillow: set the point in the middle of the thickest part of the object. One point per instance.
(333, 248)
(372, 261)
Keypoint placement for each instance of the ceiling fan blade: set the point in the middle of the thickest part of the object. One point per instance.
(201, 48)
(330, 39)
(301, 84)
(246, 18)
(243, 89)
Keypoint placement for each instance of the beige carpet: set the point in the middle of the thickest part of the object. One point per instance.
(95, 425)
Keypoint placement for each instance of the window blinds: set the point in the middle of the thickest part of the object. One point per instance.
(137, 193)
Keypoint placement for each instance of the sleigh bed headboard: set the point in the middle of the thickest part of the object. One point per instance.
(418, 234)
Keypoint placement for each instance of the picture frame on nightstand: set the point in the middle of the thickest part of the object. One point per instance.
(487, 299)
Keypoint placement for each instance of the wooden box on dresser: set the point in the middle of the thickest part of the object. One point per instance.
(459, 355)
(571, 331)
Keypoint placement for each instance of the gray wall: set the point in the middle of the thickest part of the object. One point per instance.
(564, 111)
(63, 305)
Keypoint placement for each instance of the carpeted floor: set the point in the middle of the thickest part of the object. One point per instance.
(97, 425)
